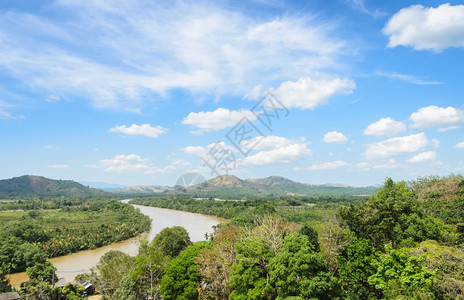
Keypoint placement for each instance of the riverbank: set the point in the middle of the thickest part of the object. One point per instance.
(69, 266)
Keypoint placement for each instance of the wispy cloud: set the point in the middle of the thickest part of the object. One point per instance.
(331, 165)
(359, 5)
(149, 50)
(133, 163)
(58, 166)
(408, 78)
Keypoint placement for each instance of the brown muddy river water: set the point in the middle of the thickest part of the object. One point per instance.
(69, 266)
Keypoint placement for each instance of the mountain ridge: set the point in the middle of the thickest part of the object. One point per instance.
(32, 185)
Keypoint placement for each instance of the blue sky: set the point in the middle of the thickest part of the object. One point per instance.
(141, 92)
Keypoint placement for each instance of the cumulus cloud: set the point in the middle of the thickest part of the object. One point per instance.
(285, 154)
(307, 93)
(459, 145)
(58, 166)
(331, 165)
(335, 137)
(202, 151)
(427, 28)
(218, 119)
(397, 146)
(424, 156)
(385, 126)
(125, 163)
(268, 142)
(145, 130)
(440, 117)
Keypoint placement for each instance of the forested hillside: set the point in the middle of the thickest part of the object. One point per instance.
(29, 186)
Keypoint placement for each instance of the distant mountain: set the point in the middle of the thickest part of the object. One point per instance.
(232, 187)
(27, 186)
(102, 185)
(141, 189)
(281, 185)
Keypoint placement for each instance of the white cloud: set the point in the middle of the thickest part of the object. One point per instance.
(424, 156)
(436, 143)
(59, 166)
(397, 146)
(409, 78)
(307, 93)
(440, 117)
(175, 165)
(385, 126)
(52, 99)
(4, 113)
(335, 137)
(133, 163)
(325, 166)
(50, 147)
(285, 154)
(211, 50)
(390, 164)
(216, 120)
(360, 6)
(125, 163)
(202, 151)
(268, 142)
(145, 129)
(254, 94)
(427, 28)
(364, 165)
(459, 145)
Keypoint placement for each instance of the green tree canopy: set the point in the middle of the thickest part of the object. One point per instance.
(181, 276)
(297, 270)
(171, 241)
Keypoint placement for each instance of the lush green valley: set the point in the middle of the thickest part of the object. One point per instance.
(404, 242)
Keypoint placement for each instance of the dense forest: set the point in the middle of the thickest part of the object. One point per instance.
(405, 242)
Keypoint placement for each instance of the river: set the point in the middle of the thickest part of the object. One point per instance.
(69, 266)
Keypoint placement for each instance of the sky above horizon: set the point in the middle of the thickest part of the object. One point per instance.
(142, 92)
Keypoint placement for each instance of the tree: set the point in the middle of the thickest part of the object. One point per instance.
(449, 264)
(215, 263)
(44, 272)
(42, 277)
(148, 268)
(4, 281)
(249, 277)
(171, 241)
(356, 266)
(181, 276)
(392, 216)
(297, 270)
(398, 275)
(112, 267)
(312, 235)
(129, 289)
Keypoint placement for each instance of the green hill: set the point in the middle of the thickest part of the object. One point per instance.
(30, 186)
(232, 187)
